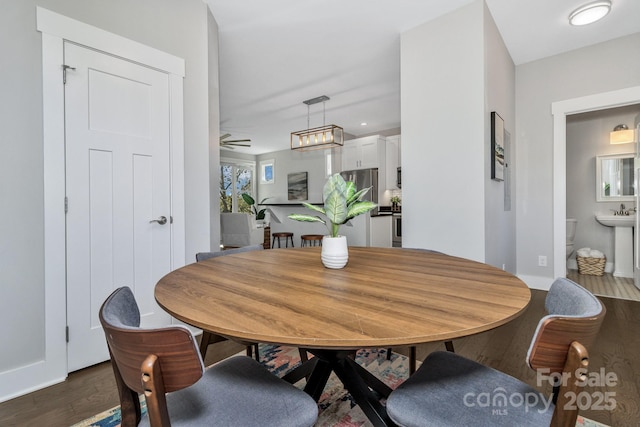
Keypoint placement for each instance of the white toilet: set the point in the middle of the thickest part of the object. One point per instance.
(571, 234)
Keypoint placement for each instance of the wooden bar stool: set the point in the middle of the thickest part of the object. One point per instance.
(311, 239)
(287, 236)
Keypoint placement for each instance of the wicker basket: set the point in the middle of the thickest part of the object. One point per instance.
(591, 266)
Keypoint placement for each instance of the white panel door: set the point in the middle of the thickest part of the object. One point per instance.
(117, 183)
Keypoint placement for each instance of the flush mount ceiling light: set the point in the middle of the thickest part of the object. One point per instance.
(590, 12)
(325, 136)
(621, 135)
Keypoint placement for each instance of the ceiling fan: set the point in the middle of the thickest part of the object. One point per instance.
(230, 143)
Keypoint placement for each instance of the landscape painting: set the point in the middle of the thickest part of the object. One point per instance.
(297, 186)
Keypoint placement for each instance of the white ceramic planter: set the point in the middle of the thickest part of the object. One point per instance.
(335, 253)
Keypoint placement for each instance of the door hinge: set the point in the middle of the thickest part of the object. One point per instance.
(66, 204)
(64, 72)
(66, 333)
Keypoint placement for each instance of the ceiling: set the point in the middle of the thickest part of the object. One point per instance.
(275, 54)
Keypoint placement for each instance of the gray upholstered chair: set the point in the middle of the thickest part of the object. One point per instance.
(165, 365)
(448, 389)
(201, 256)
(239, 229)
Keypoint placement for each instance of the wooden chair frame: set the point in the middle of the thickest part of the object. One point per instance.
(136, 356)
(561, 347)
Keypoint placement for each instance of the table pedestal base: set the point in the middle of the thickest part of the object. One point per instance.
(365, 388)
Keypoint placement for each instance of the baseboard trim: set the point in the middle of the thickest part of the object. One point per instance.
(537, 282)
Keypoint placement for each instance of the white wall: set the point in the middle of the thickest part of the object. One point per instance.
(448, 91)
(176, 27)
(588, 137)
(587, 71)
(214, 134)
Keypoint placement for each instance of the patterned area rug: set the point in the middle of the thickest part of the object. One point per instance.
(337, 409)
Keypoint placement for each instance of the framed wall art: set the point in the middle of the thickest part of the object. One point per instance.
(297, 188)
(497, 147)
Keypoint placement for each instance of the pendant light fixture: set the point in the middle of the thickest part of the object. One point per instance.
(590, 12)
(325, 136)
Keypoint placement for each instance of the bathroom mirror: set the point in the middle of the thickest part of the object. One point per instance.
(615, 178)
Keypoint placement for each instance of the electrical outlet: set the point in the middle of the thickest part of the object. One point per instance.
(542, 261)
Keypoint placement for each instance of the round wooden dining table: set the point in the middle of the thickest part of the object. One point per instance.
(384, 297)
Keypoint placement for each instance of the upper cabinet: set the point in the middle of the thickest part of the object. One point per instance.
(393, 161)
(364, 153)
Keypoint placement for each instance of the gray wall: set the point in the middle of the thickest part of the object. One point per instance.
(288, 161)
(500, 216)
(178, 27)
(313, 162)
(596, 69)
(588, 137)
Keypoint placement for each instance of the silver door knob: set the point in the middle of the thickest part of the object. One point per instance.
(162, 220)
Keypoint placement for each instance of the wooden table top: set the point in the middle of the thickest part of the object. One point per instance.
(384, 297)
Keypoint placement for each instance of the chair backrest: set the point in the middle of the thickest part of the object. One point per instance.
(201, 256)
(575, 314)
(239, 229)
(149, 361)
(559, 345)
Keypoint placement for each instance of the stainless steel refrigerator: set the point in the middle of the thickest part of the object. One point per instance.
(364, 178)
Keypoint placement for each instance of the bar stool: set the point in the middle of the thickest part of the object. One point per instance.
(311, 239)
(287, 236)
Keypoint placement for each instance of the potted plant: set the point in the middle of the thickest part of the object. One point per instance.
(395, 201)
(259, 213)
(341, 203)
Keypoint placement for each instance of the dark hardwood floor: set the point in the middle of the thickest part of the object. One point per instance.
(92, 390)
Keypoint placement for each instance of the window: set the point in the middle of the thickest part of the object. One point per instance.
(267, 172)
(236, 178)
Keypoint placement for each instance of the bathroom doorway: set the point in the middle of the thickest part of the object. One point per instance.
(562, 112)
(588, 137)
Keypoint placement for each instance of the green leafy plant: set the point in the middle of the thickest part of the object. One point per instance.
(341, 203)
(395, 200)
(260, 213)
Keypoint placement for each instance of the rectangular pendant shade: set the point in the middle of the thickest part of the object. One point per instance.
(321, 137)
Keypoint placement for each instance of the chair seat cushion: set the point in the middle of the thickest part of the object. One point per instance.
(450, 390)
(247, 394)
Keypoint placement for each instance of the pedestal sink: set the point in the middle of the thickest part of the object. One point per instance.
(623, 242)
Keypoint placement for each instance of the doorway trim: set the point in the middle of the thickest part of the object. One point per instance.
(560, 111)
(55, 29)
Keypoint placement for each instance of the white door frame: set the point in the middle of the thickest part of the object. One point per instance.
(560, 111)
(55, 30)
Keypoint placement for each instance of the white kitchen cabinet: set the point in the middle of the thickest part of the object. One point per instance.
(367, 230)
(380, 231)
(364, 153)
(392, 161)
